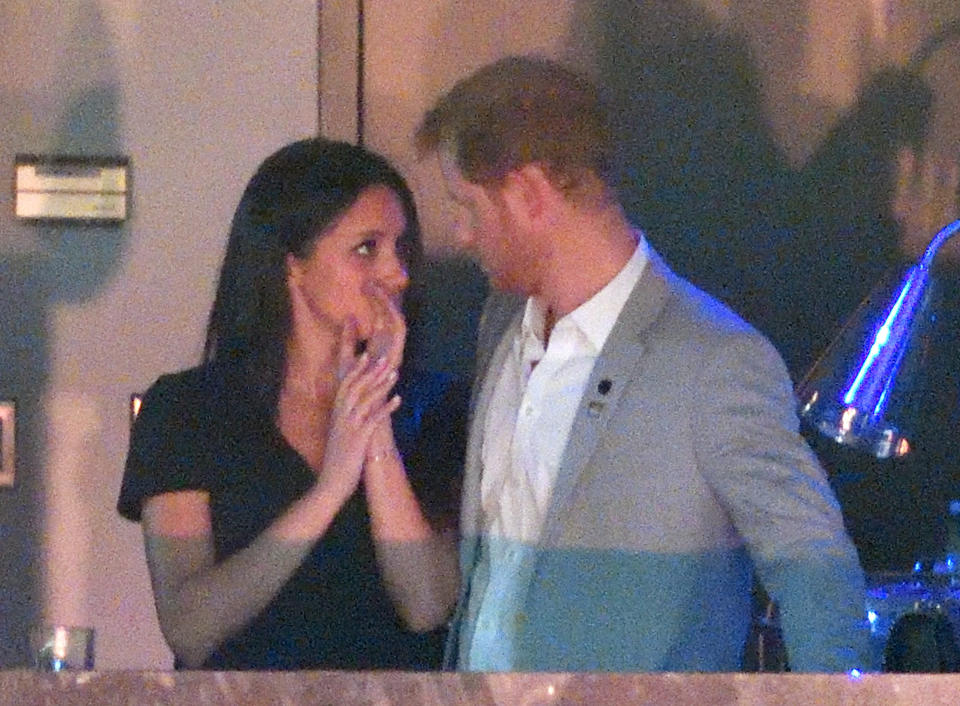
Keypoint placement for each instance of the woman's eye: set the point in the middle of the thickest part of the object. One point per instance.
(367, 247)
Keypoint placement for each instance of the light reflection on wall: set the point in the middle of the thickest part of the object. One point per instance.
(69, 536)
(136, 399)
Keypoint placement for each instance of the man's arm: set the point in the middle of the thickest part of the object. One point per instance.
(780, 501)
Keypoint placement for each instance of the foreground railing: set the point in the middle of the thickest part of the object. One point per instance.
(409, 689)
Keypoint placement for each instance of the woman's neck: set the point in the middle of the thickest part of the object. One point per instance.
(310, 373)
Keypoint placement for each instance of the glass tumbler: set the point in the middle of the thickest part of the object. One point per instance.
(56, 648)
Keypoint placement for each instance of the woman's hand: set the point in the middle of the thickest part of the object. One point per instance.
(386, 345)
(389, 327)
(418, 565)
(311, 348)
(360, 407)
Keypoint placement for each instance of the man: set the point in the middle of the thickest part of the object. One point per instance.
(633, 452)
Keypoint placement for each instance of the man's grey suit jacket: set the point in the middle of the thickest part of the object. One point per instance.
(684, 472)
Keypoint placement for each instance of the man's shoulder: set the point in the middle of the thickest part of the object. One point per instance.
(699, 328)
(689, 301)
(684, 308)
(694, 321)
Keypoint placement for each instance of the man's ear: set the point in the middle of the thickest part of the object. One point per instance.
(292, 266)
(530, 195)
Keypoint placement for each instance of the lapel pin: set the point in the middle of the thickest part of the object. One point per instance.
(604, 386)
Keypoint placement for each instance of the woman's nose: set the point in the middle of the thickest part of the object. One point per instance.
(394, 278)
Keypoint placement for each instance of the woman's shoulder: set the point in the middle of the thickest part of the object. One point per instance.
(175, 437)
(199, 388)
(200, 402)
(183, 381)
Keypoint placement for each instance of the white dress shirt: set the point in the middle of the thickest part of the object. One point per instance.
(525, 433)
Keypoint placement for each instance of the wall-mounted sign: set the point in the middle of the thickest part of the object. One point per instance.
(8, 439)
(67, 188)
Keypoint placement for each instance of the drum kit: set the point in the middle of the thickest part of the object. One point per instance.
(914, 617)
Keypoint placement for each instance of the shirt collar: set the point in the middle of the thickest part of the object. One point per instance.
(596, 317)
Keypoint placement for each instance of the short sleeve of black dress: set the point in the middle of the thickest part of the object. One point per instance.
(170, 441)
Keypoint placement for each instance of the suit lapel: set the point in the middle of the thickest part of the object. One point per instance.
(502, 315)
(617, 365)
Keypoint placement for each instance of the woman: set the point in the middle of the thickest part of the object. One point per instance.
(281, 530)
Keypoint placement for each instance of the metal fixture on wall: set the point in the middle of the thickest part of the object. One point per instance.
(71, 188)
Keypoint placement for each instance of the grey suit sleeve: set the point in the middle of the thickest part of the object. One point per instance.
(779, 500)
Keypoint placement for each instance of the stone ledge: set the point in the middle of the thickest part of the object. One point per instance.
(20, 687)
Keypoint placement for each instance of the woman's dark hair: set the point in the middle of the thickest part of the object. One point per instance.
(295, 195)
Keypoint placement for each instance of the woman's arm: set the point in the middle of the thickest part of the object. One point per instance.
(418, 562)
(201, 602)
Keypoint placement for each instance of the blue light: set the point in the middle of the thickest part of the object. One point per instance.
(881, 339)
(855, 674)
(872, 616)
